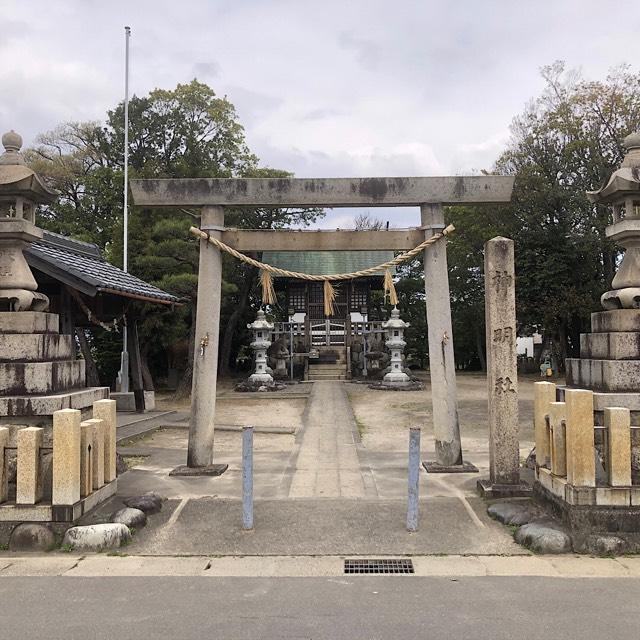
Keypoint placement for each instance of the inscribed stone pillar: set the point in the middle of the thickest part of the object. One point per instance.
(66, 457)
(97, 453)
(28, 485)
(105, 410)
(205, 359)
(617, 421)
(502, 363)
(4, 484)
(86, 458)
(446, 427)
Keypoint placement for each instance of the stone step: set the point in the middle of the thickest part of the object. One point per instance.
(27, 378)
(615, 320)
(603, 375)
(36, 347)
(324, 378)
(622, 345)
(29, 322)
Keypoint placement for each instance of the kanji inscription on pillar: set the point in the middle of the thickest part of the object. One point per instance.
(502, 373)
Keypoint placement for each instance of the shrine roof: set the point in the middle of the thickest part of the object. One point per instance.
(327, 262)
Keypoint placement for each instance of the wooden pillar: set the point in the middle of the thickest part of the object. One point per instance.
(446, 427)
(135, 363)
(205, 358)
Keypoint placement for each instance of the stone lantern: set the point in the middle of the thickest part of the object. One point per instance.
(21, 190)
(622, 192)
(261, 329)
(394, 328)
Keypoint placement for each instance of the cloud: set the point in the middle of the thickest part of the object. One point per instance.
(206, 70)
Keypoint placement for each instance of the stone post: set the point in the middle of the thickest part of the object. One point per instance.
(97, 453)
(66, 456)
(617, 421)
(4, 476)
(28, 485)
(557, 413)
(205, 358)
(544, 393)
(86, 458)
(502, 369)
(581, 468)
(444, 399)
(105, 410)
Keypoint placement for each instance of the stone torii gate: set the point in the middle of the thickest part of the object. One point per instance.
(430, 194)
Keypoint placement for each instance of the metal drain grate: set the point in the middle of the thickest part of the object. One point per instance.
(370, 566)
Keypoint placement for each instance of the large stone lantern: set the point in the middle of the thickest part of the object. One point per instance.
(394, 328)
(261, 330)
(21, 190)
(622, 192)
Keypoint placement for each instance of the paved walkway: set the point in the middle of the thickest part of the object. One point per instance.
(327, 464)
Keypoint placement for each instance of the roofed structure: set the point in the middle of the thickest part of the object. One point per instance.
(326, 262)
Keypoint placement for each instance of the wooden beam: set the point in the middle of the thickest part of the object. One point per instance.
(339, 240)
(321, 192)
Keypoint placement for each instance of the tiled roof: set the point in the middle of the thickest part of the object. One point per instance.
(81, 266)
(326, 262)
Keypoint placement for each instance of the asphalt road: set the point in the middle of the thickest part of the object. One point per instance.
(350, 608)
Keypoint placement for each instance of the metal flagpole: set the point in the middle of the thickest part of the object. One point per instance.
(124, 358)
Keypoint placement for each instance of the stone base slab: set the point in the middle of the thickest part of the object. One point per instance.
(13, 408)
(209, 470)
(29, 322)
(36, 347)
(26, 378)
(57, 513)
(433, 467)
(612, 376)
(610, 346)
(615, 320)
(125, 401)
(489, 490)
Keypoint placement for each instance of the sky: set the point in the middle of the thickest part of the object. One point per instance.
(325, 88)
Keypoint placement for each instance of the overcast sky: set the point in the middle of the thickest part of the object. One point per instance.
(324, 88)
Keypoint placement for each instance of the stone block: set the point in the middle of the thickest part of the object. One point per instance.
(105, 410)
(610, 346)
(66, 457)
(580, 438)
(125, 400)
(613, 497)
(557, 413)
(149, 400)
(602, 400)
(635, 496)
(97, 452)
(28, 484)
(36, 347)
(544, 395)
(46, 405)
(544, 478)
(4, 476)
(613, 376)
(580, 496)
(29, 322)
(617, 421)
(86, 458)
(28, 378)
(615, 320)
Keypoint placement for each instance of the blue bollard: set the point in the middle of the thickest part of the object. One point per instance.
(414, 478)
(247, 478)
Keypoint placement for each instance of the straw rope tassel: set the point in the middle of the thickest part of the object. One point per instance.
(268, 292)
(390, 288)
(329, 297)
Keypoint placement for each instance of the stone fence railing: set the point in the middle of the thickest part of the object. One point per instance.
(569, 446)
(82, 472)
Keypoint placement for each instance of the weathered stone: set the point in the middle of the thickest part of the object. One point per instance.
(557, 413)
(4, 471)
(32, 536)
(615, 320)
(35, 347)
(544, 393)
(610, 346)
(125, 400)
(86, 459)
(502, 371)
(617, 421)
(580, 438)
(149, 503)
(543, 537)
(105, 410)
(613, 376)
(97, 453)
(28, 485)
(606, 545)
(28, 322)
(512, 513)
(96, 537)
(133, 518)
(66, 457)
(121, 465)
(23, 378)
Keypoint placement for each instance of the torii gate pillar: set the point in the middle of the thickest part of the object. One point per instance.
(442, 366)
(205, 357)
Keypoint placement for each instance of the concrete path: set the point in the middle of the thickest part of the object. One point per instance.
(327, 464)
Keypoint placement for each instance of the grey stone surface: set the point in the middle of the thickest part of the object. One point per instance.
(132, 518)
(32, 536)
(96, 537)
(45, 405)
(23, 378)
(125, 401)
(36, 347)
(610, 346)
(149, 503)
(514, 513)
(615, 320)
(502, 361)
(617, 376)
(28, 322)
(606, 545)
(543, 536)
